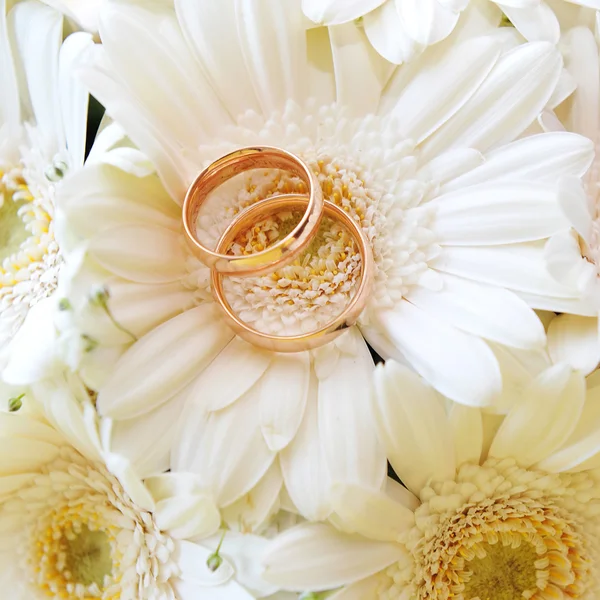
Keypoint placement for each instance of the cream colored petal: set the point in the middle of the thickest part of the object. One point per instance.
(359, 72)
(467, 426)
(225, 448)
(346, 421)
(164, 361)
(304, 465)
(576, 341)
(544, 420)
(413, 426)
(141, 253)
(217, 385)
(251, 512)
(369, 513)
(317, 557)
(284, 392)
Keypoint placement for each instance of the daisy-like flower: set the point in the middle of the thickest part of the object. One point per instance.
(574, 256)
(401, 29)
(42, 140)
(456, 212)
(500, 510)
(78, 523)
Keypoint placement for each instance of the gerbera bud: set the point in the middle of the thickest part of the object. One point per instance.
(214, 561)
(99, 297)
(15, 404)
(64, 304)
(90, 342)
(56, 171)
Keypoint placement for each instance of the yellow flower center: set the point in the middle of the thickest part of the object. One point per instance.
(499, 532)
(501, 572)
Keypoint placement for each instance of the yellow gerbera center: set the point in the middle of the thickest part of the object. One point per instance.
(499, 532)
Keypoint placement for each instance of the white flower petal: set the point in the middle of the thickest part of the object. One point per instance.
(192, 590)
(141, 307)
(413, 426)
(346, 427)
(545, 419)
(334, 12)
(582, 62)
(164, 361)
(317, 557)
(581, 451)
(451, 165)
(21, 426)
(10, 110)
(498, 213)
(273, 40)
(37, 31)
(73, 415)
(426, 21)
(427, 92)
(20, 455)
(210, 29)
(542, 159)
(225, 448)
(32, 353)
(192, 560)
(358, 81)
(490, 312)
(442, 355)
(283, 394)
(146, 439)
(520, 267)
(576, 206)
(369, 513)
(387, 34)
(244, 551)
(534, 23)
(101, 197)
(250, 512)
(304, 466)
(187, 515)
(73, 96)
(147, 51)
(216, 384)
(98, 75)
(506, 103)
(576, 341)
(141, 253)
(467, 426)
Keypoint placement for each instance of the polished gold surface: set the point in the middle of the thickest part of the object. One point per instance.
(313, 339)
(230, 165)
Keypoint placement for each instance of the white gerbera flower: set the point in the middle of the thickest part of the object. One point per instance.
(78, 523)
(42, 140)
(400, 29)
(574, 256)
(456, 212)
(503, 511)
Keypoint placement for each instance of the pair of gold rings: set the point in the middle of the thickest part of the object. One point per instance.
(279, 254)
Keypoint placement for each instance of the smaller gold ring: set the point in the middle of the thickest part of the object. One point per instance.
(313, 339)
(230, 165)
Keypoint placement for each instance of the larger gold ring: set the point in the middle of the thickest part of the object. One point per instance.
(230, 165)
(313, 339)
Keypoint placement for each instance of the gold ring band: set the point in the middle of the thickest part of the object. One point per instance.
(313, 339)
(230, 165)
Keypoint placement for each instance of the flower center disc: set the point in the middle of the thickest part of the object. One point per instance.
(12, 229)
(504, 573)
(88, 557)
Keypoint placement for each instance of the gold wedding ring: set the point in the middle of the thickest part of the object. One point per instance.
(277, 255)
(313, 339)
